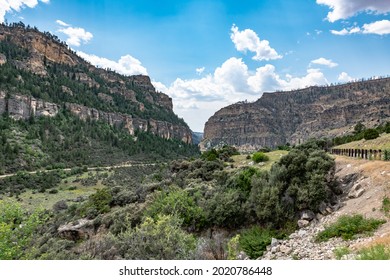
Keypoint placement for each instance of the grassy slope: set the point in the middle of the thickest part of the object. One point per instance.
(68, 190)
(382, 142)
(242, 161)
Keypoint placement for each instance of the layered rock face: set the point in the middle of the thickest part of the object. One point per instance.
(21, 107)
(293, 117)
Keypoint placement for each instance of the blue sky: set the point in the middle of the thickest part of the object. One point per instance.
(209, 54)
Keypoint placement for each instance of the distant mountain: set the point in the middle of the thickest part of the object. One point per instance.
(41, 78)
(197, 137)
(295, 116)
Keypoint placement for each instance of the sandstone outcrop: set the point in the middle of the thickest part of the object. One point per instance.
(295, 116)
(23, 107)
(40, 53)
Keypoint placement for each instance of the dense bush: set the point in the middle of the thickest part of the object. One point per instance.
(348, 227)
(178, 203)
(255, 240)
(160, 239)
(301, 180)
(223, 153)
(98, 203)
(260, 157)
(17, 230)
(370, 134)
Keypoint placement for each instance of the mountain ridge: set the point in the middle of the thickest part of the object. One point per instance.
(295, 116)
(131, 100)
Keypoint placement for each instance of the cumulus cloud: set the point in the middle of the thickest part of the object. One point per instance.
(342, 9)
(248, 40)
(7, 6)
(126, 65)
(231, 82)
(345, 78)
(381, 27)
(76, 35)
(325, 62)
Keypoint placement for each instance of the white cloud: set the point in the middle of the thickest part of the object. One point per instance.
(345, 78)
(60, 22)
(325, 62)
(381, 27)
(342, 9)
(248, 40)
(346, 31)
(197, 99)
(126, 65)
(200, 70)
(76, 35)
(7, 6)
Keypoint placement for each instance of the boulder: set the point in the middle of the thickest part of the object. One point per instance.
(307, 215)
(79, 230)
(303, 223)
(356, 191)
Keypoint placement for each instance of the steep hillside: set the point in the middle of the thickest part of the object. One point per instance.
(39, 75)
(58, 110)
(295, 116)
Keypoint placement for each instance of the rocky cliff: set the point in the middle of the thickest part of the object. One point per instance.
(60, 79)
(22, 107)
(295, 116)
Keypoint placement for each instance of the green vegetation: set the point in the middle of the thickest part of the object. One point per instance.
(340, 252)
(233, 247)
(66, 141)
(386, 155)
(386, 205)
(98, 203)
(17, 229)
(361, 132)
(178, 203)
(260, 157)
(370, 134)
(255, 240)
(376, 252)
(162, 239)
(224, 154)
(178, 211)
(349, 227)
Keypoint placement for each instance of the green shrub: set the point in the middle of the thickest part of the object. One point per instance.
(386, 205)
(225, 208)
(17, 230)
(180, 204)
(386, 155)
(370, 133)
(160, 239)
(260, 157)
(377, 252)
(340, 252)
(348, 227)
(233, 247)
(98, 203)
(255, 240)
